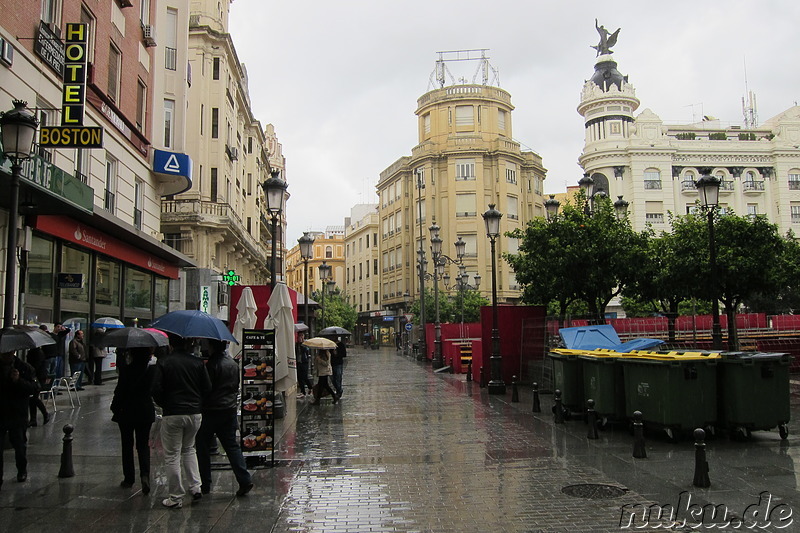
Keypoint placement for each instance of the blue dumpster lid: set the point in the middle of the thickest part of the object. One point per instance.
(602, 336)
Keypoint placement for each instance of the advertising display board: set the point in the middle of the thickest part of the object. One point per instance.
(258, 395)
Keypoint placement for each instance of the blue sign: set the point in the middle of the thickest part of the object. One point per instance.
(409, 326)
(172, 163)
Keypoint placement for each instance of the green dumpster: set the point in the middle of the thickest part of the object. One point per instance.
(676, 391)
(603, 382)
(568, 377)
(754, 392)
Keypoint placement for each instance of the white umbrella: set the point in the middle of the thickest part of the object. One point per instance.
(246, 317)
(280, 318)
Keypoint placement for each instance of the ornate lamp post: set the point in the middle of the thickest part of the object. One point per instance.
(709, 199)
(496, 384)
(551, 206)
(324, 275)
(621, 208)
(306, 243)
(436, 252)
(274, 187)
(19, 131)
(421, 272)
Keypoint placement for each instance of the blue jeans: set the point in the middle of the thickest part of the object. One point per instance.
(19, 441)
(337, 378)
(223, 424)
(78, 367)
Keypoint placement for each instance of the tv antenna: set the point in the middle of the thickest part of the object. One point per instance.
(749, 108)
(441, 73)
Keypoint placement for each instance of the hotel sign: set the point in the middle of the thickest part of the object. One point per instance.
(71, 137)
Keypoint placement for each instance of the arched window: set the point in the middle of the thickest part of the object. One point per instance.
(328, 252)
(794, 179)
(652, 178)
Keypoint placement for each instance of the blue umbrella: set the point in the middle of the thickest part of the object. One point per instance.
(107, 322)
(193, 324)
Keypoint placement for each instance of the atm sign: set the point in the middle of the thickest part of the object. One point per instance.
(71, 137)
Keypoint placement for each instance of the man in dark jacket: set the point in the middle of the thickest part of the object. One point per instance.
(337, 363)
(219, 418)
(17, 384)
(179, 385)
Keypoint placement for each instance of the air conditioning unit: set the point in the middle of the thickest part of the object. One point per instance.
(234, 153)
(222, 298)
(149, 35)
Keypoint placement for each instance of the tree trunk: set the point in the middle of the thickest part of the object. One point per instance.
(733, 338)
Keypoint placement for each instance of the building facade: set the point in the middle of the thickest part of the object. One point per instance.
(89, 220)
(362, 269)
(654, 165)
(465, 160)
(222, 221)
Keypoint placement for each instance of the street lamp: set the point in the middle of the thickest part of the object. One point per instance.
(496, 385)
(436, 252)
(306, 243)
(421, 272)
(621, 208)
(708, 186)
(551, 207)
(324, 275)
(19, 131)
(274, 187)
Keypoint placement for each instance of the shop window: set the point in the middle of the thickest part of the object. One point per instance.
(40, 268)
(161, 296)
(74, 261)
(138, 292)
(107, 284)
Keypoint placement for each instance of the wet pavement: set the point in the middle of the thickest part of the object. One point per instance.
(410, 450)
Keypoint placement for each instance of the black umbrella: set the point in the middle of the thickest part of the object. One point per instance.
(193, 324)
(333, 331)
(23, 338)
(133, 338)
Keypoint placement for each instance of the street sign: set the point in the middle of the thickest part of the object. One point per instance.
(409, 317)
(409, 326)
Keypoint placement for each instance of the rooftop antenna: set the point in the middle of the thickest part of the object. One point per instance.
(694, 115)
(441, 74)
(749, 108)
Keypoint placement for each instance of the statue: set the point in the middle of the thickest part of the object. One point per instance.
(606, 40)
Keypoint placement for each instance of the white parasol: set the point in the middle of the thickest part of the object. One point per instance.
(280, 318)
(246, 317)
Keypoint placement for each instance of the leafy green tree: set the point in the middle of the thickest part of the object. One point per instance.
(337, 311)
(577, 256)
(787, 299)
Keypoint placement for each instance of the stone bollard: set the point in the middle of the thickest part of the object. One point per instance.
(591, 419)
(66, 453)
(558, 409)
(639, 451)
(700, 464)
(537, 406)
(469, 371)
(514, 390)
(482, 377)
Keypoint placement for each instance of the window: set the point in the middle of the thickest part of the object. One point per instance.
(512, 207)
(752, 210)
(464, 115)
(138, 290)
(375, 297)
(82, 158)
(215, 123)
(40, 267)
(501, 119)
(144, 12)
(328, 252)
(141, 103)
(426, 123)
(654, 212)
(465, 204)
(202, 117)
(471, 248)
(214, 185)
(794, 181)
(138, 201)
(795, 211)
(169, 117)
(652, 179)
(114, 70)
(88, 19)
(107, 288)
(50, 11)
(45, 119)
(171, 39)
(511, 172)
(420, 211)
(215, 69)
(465, 169)
(109, 200)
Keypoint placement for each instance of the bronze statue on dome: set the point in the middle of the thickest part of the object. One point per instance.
(606, 40)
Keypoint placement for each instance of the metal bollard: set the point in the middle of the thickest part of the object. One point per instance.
(700, 464)
(591, 418)
(514, 390)
(639, 451)
(558, 409)
(482, 377)
(537, 406)
(469, 371)
(66, 453)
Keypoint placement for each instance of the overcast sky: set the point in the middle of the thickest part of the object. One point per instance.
(340, 80)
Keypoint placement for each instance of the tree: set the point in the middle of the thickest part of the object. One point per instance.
(337, 311)
(577, 256)
(787, 300)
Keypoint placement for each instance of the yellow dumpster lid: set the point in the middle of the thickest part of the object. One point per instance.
(671, 356)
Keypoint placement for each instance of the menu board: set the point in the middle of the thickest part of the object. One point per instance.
(258, 394)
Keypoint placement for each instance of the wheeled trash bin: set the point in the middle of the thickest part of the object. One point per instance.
(604, 383)
(568, 378)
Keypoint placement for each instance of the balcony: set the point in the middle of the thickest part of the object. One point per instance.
(652, 185)
(726, 187)
(794, 185)
(753, 187)
(688, 186)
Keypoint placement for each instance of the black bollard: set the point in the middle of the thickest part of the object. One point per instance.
(514, 391)
(591, 418)
(558, 409)
(639, 451)
(66, 453)
(482, 377)
(537, 406)
(469, 371)
(700, 464)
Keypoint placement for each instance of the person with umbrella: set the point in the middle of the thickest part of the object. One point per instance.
(303, 359)
(17, 384)
(322, 366)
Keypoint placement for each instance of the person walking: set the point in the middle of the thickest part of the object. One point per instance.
(37, 361)
(179, 386)
(219, 418)
(98, 353)
(303, 357)
(77, 357)
(135, 413)
(17, 384)
(322, 369)
(337, 365)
